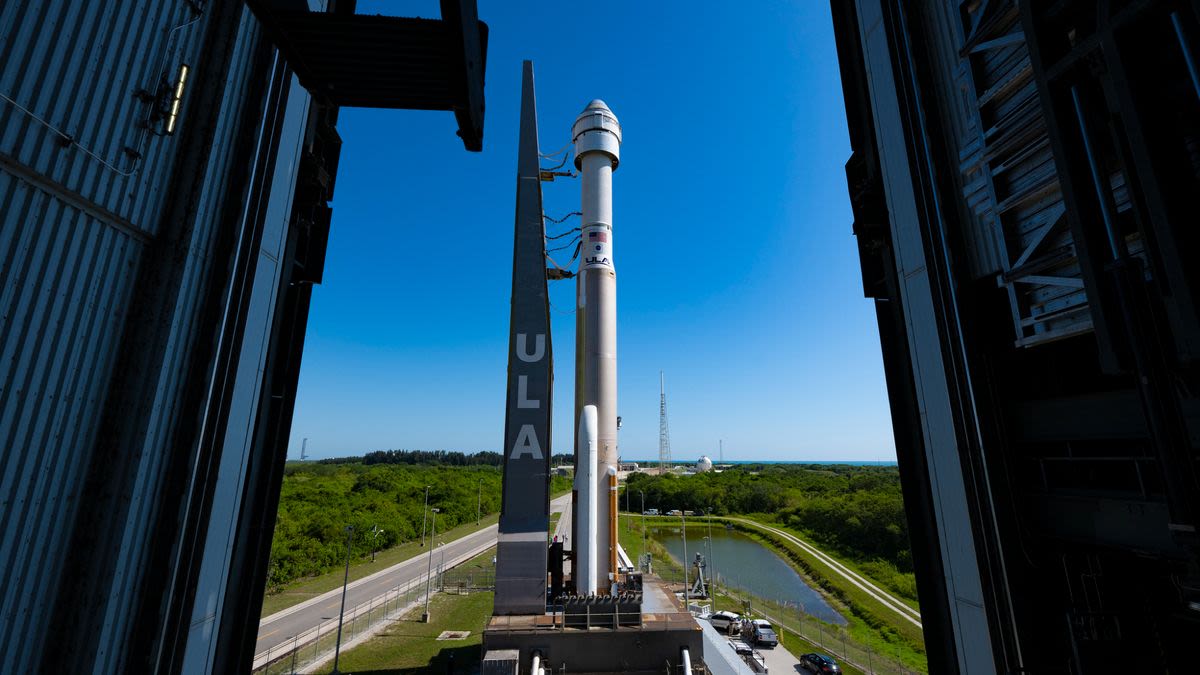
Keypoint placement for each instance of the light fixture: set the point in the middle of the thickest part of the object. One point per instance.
(177, 98)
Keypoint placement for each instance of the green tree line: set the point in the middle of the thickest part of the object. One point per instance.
(485, 458)
(318, 501)
(856, 511)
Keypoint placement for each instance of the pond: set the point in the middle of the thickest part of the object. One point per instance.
(741, 562)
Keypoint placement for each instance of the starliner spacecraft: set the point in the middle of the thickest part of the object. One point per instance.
(597, 137)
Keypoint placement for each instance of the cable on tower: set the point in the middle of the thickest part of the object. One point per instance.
(560, 236)
(558, 221)
(566, 245)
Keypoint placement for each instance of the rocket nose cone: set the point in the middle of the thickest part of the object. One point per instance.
(597, 104)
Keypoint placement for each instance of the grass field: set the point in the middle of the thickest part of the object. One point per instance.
(409, 646)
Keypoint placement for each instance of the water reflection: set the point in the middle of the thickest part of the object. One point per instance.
(742, 562)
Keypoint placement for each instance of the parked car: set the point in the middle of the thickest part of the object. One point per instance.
(819, 663)
(725, 621)
(651, 512)
(764, 634)
(675, 512)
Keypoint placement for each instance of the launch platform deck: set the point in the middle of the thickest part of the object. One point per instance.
(603, 647)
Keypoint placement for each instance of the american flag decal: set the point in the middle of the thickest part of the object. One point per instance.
(597, 236)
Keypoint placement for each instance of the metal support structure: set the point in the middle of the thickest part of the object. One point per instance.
(683, 533)
(664, 433)
(429, 568)
(424, 516)
(641, 564)
(337, 647)
(522, 556)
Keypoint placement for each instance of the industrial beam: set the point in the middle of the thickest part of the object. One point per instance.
(521, 558)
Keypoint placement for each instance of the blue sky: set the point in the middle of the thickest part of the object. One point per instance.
(737, 272)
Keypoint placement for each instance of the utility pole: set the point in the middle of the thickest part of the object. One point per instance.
(429, 568)
(643, 494)
(424, 515)
(375, 532)
(712, 566)
(721, 451)
(337, 649)
(687, 600)
(479, 504)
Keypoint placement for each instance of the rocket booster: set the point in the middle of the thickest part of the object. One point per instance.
(597, 137)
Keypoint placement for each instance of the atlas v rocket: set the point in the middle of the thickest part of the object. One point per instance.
(597, 137)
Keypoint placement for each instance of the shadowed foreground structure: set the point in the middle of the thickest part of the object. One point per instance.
(166, 175)
(1023, 181)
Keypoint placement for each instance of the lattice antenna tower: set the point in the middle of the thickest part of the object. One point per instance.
(664, 433)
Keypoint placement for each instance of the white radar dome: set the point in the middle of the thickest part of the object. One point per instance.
(704, 464)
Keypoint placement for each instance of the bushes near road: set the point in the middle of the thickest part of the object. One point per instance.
(319, 500)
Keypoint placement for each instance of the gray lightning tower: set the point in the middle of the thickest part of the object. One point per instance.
(664, 433)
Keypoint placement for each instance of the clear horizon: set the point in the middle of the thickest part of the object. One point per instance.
(737, 272)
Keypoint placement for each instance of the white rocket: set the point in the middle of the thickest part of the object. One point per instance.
(597, 137)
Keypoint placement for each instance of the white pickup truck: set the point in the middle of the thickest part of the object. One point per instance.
(725, 621)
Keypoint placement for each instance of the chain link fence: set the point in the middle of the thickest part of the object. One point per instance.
(790, 619)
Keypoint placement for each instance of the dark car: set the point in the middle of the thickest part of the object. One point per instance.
(819, 663)
(764, 633)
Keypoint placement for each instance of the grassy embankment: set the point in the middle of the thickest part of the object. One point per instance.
(409, 646)
(869, 621)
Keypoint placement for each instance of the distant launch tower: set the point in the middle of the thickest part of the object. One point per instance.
(597, 137)
(664, 431)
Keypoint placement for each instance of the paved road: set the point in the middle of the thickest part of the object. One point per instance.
(886, 599)
(282, 626)
(562, 530)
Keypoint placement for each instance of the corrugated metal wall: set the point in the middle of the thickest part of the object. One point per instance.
(1034, 159)
(85, 182)
(89, 134)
